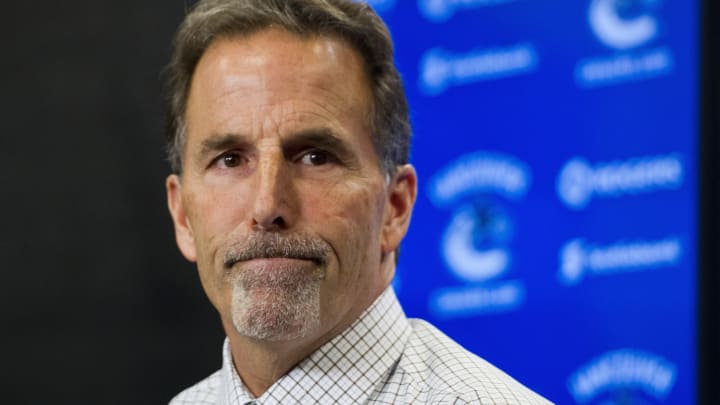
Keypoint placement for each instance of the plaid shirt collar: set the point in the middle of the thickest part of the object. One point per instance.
(347, 369)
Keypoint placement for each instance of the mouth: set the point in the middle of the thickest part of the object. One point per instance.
(274, 273)
(275, 261)
(278, 262)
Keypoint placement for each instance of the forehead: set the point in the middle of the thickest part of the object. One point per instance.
(274, 67)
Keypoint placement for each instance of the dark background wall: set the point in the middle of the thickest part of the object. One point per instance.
(97, 305)
(709, 282)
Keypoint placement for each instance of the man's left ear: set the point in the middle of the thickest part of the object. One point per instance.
(402, 192)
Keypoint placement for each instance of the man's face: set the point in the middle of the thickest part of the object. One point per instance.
(282, 201)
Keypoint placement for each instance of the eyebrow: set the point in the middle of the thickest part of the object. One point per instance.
(322, 138)
(219, 142)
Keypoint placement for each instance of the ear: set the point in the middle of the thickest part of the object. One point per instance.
(183, 231)
(402, 192)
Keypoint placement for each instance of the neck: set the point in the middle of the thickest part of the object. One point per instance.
(260, 364)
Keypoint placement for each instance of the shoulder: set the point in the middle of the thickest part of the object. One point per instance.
(202, 393)
(442, 371)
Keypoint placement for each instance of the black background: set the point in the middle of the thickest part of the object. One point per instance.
(97, 306)
(709, 153)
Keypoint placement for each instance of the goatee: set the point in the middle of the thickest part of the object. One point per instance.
(276, 300)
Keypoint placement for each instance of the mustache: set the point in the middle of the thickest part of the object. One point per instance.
(275, 245)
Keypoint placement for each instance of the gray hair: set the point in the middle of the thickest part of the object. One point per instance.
(353, 22)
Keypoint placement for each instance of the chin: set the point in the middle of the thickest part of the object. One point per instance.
(275, 314)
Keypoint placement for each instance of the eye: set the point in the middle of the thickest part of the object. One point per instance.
(230, 159)
(315, 158)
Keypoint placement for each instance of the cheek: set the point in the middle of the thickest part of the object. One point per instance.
(349, 217)
(212, 215)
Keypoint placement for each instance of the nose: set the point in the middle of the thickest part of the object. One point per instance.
(272, 208)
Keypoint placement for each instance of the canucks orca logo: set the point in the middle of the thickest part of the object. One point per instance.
(473, 244)
(477, 243)
(623, 24)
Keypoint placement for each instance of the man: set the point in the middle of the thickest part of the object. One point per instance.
(289, 136)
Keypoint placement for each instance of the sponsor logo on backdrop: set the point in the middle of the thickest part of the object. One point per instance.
(579, 259)
(627, 27)
(441, 10)
(475, 246)
(441, 69)
(381, 6)
(580, 181)
(623, 376)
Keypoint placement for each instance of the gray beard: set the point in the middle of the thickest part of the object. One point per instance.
(281, 303)
(275, 306)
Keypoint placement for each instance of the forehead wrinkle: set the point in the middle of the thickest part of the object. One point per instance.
(291, 123)
(330, 108)
(281, 102)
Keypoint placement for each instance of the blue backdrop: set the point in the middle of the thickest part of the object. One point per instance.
(555, 228)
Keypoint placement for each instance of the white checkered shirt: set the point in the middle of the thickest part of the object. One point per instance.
(383, 358)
